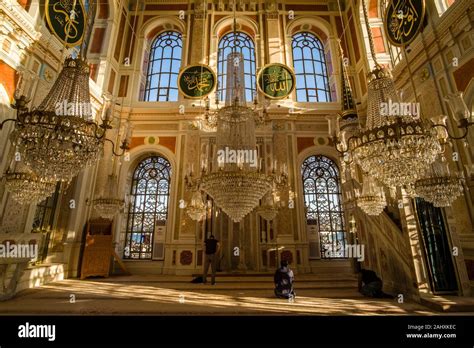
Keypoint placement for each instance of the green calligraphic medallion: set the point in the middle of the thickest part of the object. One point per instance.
(66, 20)
(196, 81)
(404, 20)
(276, 81)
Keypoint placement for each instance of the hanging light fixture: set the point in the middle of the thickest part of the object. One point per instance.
(441, 187)
(59, 138)
(237, 186)
(372, 199)
(108, 204)
(196, 210)
(26, 188)
(394, 149)
(237, 181)
(268, 210)
(272, 201)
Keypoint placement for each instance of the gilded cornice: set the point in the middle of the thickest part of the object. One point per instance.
(20, 21)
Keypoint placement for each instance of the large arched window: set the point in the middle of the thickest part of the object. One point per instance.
(163, 67)
(148, 206)
(322, 198)
(242, 44)
(312, 83)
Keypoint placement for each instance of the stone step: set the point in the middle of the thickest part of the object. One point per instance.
(249, 286)
(304, 276)
(318, 267)
(259, 282)
(233, 278)
(448, 303)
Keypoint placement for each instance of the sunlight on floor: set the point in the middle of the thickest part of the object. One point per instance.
(109, 297)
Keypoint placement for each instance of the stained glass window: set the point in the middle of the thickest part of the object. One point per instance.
(242, 43)
(163, 67)
(322, 198)
(148, 208)
(312, 83)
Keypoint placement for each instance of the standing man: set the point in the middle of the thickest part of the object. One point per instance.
(212, 248)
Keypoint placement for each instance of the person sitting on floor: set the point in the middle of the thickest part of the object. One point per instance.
(283, 280)
(370, 285)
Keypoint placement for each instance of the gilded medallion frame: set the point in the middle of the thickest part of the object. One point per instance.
(53, 31)
(386, 23)
(214, 75)
(293, 78)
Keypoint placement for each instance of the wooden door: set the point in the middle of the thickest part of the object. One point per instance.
(98, 249)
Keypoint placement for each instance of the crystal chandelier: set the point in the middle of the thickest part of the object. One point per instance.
(394, 148)
(269, 209)
(108, 207)
(372, 199)
(397, 150)
(237, 181)
(441, 187)
(60, 137)
(196, 210)
(26, 188)
(108, 204)
(236, 192)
